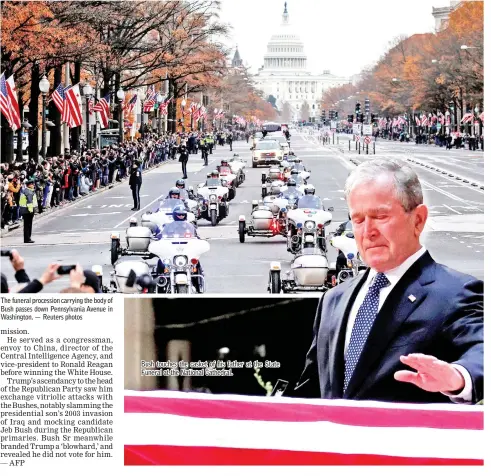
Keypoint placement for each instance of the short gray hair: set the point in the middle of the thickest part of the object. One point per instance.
(406, 183)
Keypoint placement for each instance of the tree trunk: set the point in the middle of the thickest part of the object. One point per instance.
(75, 131)
(34, 113)
(170, 106)
(7, 142)
(117, 109)
(55, 132)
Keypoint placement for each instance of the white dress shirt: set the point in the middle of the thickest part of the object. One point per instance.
(394, 275)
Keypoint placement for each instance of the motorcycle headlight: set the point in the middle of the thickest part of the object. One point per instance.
(180, 261)
(213, 197)
(309, 225)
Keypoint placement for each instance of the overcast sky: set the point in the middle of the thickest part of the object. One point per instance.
(342, 36)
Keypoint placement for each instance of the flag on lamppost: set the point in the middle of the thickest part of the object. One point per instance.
(103, 108)
(9, 102)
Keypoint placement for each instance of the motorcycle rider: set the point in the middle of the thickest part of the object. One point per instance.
(174, 192)
(214, 179)
(180, 226)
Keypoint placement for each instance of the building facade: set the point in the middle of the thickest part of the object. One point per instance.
(441, 14)
(285, 76)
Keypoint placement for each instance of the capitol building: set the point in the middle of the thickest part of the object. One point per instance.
(285, 76)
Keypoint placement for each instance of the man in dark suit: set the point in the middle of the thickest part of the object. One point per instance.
(406, 330)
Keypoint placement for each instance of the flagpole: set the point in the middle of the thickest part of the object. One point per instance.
(66, 130)
(166, 93)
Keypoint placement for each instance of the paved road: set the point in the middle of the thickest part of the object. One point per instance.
(80, 233)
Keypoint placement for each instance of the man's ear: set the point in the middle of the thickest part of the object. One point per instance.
(420, 218)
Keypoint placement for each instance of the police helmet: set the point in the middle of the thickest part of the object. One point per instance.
(180, 184)
(174, 191)
(224, 162)
(179, 213)
(215, 174)
(291, 183)
(309, 189)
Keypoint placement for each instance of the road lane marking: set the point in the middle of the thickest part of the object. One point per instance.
(138, 211)
(94, 214)
(451, 209)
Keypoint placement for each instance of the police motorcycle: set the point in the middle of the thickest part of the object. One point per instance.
(307, 222)
(307, 240)
(213, 199)
(188, 197)
(226, 175)
(263, 222)
(238, 168)
(138, 237)
(178, 249)
(348, 262)
(301, 169)
(299, 181)
(163, 214)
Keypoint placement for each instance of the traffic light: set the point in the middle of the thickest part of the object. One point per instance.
(323, 115)
(358, 108)
(336, 115)
(350, 117)
(367, 106)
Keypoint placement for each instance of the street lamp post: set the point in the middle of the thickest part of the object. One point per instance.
(87, 93)
(142, 96)
(160, 99)
(477, 131)
(120, 96)
(183, 105)
(44, 88)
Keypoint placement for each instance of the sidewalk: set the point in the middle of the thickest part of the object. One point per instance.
(8, 230)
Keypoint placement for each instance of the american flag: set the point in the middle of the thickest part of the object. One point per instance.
(418, 122)
(73, 106)
(481, 116)
(150, 100)
(58, 97)
(131, 104)
(237, 430)
(448, 118)
(467, 118)
(197, 112)
(441, 119)
(9, 103)
(424, 120)
(103, 108)
(4, 99)
(164, 105)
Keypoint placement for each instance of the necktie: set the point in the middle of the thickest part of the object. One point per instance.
(363, 323)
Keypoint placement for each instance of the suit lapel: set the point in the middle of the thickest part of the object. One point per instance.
(395, 310)
(338, 332)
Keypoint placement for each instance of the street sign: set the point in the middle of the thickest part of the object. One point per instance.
(333, 124)
(367, 130)
(356, 128)
(367, 139)
(357, 138)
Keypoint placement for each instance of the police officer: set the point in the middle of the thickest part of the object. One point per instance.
(183, 158)
(27, 204)
(135, 185)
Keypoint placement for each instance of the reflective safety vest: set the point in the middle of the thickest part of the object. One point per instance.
(23, 201)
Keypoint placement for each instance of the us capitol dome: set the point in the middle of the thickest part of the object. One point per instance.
(285, 76)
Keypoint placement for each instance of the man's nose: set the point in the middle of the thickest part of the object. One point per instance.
(370, 227)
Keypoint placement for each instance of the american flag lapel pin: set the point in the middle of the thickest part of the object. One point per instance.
(412, 298)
